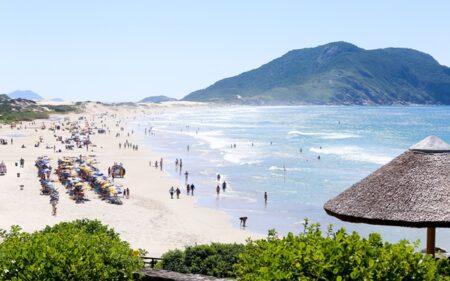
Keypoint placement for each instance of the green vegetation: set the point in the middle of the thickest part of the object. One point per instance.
(335, 256)
(337, 73)
(63, 108)
(214, 260)
(10, 117)
(78, 250)
(88, 250)
(14, 110)
(311, 255)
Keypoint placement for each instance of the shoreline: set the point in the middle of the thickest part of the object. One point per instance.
(148, 220)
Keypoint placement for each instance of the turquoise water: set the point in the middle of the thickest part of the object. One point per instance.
(352, 142)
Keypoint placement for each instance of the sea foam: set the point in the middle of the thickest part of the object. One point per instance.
(353, 153)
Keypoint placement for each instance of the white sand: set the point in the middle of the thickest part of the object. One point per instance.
(148, 220)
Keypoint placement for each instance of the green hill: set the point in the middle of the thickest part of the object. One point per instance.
(337, 73)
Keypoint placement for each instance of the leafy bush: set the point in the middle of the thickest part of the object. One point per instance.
(215, 260)
(78, 250)
(61, 108)
(335, 256)
(8, 117)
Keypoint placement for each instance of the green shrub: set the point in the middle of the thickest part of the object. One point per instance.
(78, 250)
(62, 108)
(215, 260)
(335, 256)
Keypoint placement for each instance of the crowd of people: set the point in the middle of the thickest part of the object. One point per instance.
(47, 185)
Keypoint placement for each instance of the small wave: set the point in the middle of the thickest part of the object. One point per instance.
(276, 168)
(325, 135)
(353, 153)
(221, 125)
(239, 159)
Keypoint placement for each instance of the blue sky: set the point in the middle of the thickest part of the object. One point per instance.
(127, 50)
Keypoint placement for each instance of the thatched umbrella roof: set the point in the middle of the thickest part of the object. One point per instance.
(412, 190)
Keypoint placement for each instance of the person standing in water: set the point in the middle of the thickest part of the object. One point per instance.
(265, 198)
(224, 186)
(192, 189)
(186, 174)
(218, 177)
(218, 190)
(243, 221)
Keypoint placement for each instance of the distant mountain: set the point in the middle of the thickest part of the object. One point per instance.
(337, 73)
(57, 99)
(29, 95)
(157, 99)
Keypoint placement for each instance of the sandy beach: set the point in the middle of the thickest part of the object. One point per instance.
(149, 219)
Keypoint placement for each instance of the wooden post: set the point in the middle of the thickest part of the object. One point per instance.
(431, 240)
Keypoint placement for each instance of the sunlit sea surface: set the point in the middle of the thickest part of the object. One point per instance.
(352, 142)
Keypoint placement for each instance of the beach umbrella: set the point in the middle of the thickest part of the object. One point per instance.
(86, 186)
(413, 190)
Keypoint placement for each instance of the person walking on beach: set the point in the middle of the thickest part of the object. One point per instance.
(192, 189)
(161, 164)
(178, 191)
(128, 193)
(22, 162)
(54, 199)
(171, 191)
(218, 190)
(265, 198)
(188, 189)
(224, 186)
(243, 221)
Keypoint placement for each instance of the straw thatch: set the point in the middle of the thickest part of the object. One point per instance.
(411, 190)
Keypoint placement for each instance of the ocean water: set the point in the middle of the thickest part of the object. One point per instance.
(277, 151)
